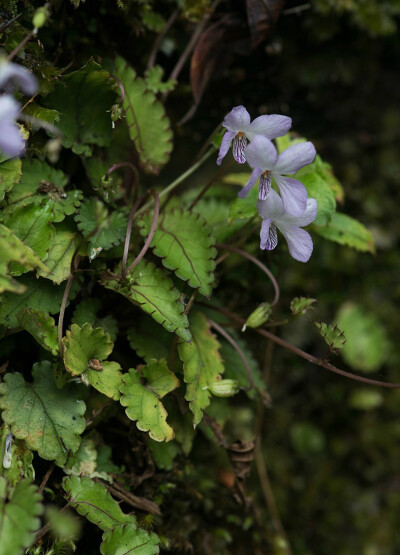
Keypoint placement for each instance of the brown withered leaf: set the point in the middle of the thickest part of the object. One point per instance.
(262, 16)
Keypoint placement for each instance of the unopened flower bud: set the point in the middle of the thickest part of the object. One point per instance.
(40, 17)
(259, 316)
(116, 112)
(224, 388)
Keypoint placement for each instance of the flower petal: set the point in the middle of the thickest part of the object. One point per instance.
(15, 74)
(268, 236)
(272, 207)
(251, 182)
(295, 157)
(270, 126)
(306, 218)
(11, 141)
(9, 108)
(239, 148)
(261, 153)
(237, 120)
(293, 193)
(226, 143)
(299, 242)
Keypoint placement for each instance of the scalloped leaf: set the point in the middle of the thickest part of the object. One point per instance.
(154, 80)
(300, 305)
(143, 400)
(148, 287)
(202, 365)
(127, 538)
(92, 500)
(13, 250)
(150, 341)
(108, 380)
(58, 261)
(87, 310)
(44, 185)
(20, 508)
(98, 227)
(20, 457)
(50, 420)
(345, 230)
(149, 127)
(41, 326)
(10, 174)
(84, 344)
(333, 336)
(32, 225)
(36, 293)
(83, 99)
(184, 242)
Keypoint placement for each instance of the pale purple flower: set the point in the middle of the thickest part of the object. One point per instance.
(240, 131)
(263, 157)
(12, 75)
(274, 216)
(11, 141)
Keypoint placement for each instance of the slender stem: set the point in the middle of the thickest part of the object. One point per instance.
(151, 233)
(128, 236)
(121, 88)
(62, 311)
(190, 46)
(310, 358)
(46, 477)
(208, 185)
(257, 263)
(239, 351)
(134, 171)
(20, 46)
(179, 179)
(160, 38)
(269, 495)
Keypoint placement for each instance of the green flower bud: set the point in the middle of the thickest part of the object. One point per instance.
(224, 388)
(40, 16)
(116, 112)
(259, 316)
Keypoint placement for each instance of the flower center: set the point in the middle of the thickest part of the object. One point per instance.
(239, 147)
(265, 185)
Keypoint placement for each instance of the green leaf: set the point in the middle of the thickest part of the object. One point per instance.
(367, 346)
(108, 380)
(65, 526)
(183, 240)
(58, 261)
(366, 399)
(300, 305)
(37, 293)
(98, 227)
(333, 336)
(216, 212)
(143, 400)
(50, 420)
(44, 185)
(154, 81)
(32, 224)
(202, 365)
(149, 288)
(83, 345)
(12, 249)
(19, 510)
(245, 208)
(17, 461)
(127, 538)
(44, 114)
(87, 310)
(346, 231)
(149, 127)
(163, 453)
(92, 500)
(319, 189)
(41, 326)
(83, 99)
(10, 173)
(150, 341)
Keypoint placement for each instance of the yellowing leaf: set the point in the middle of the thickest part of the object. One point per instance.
(83, 344)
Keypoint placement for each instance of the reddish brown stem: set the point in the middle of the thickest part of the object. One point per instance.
(20, 46)
(151, 232)
(134, 171)
(135, 206)
(310, 358)
(160, 38)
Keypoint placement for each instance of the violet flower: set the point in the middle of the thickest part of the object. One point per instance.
(12, 75)
(11, 141)
(274, 216)
(240, 131)
(263, 158)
